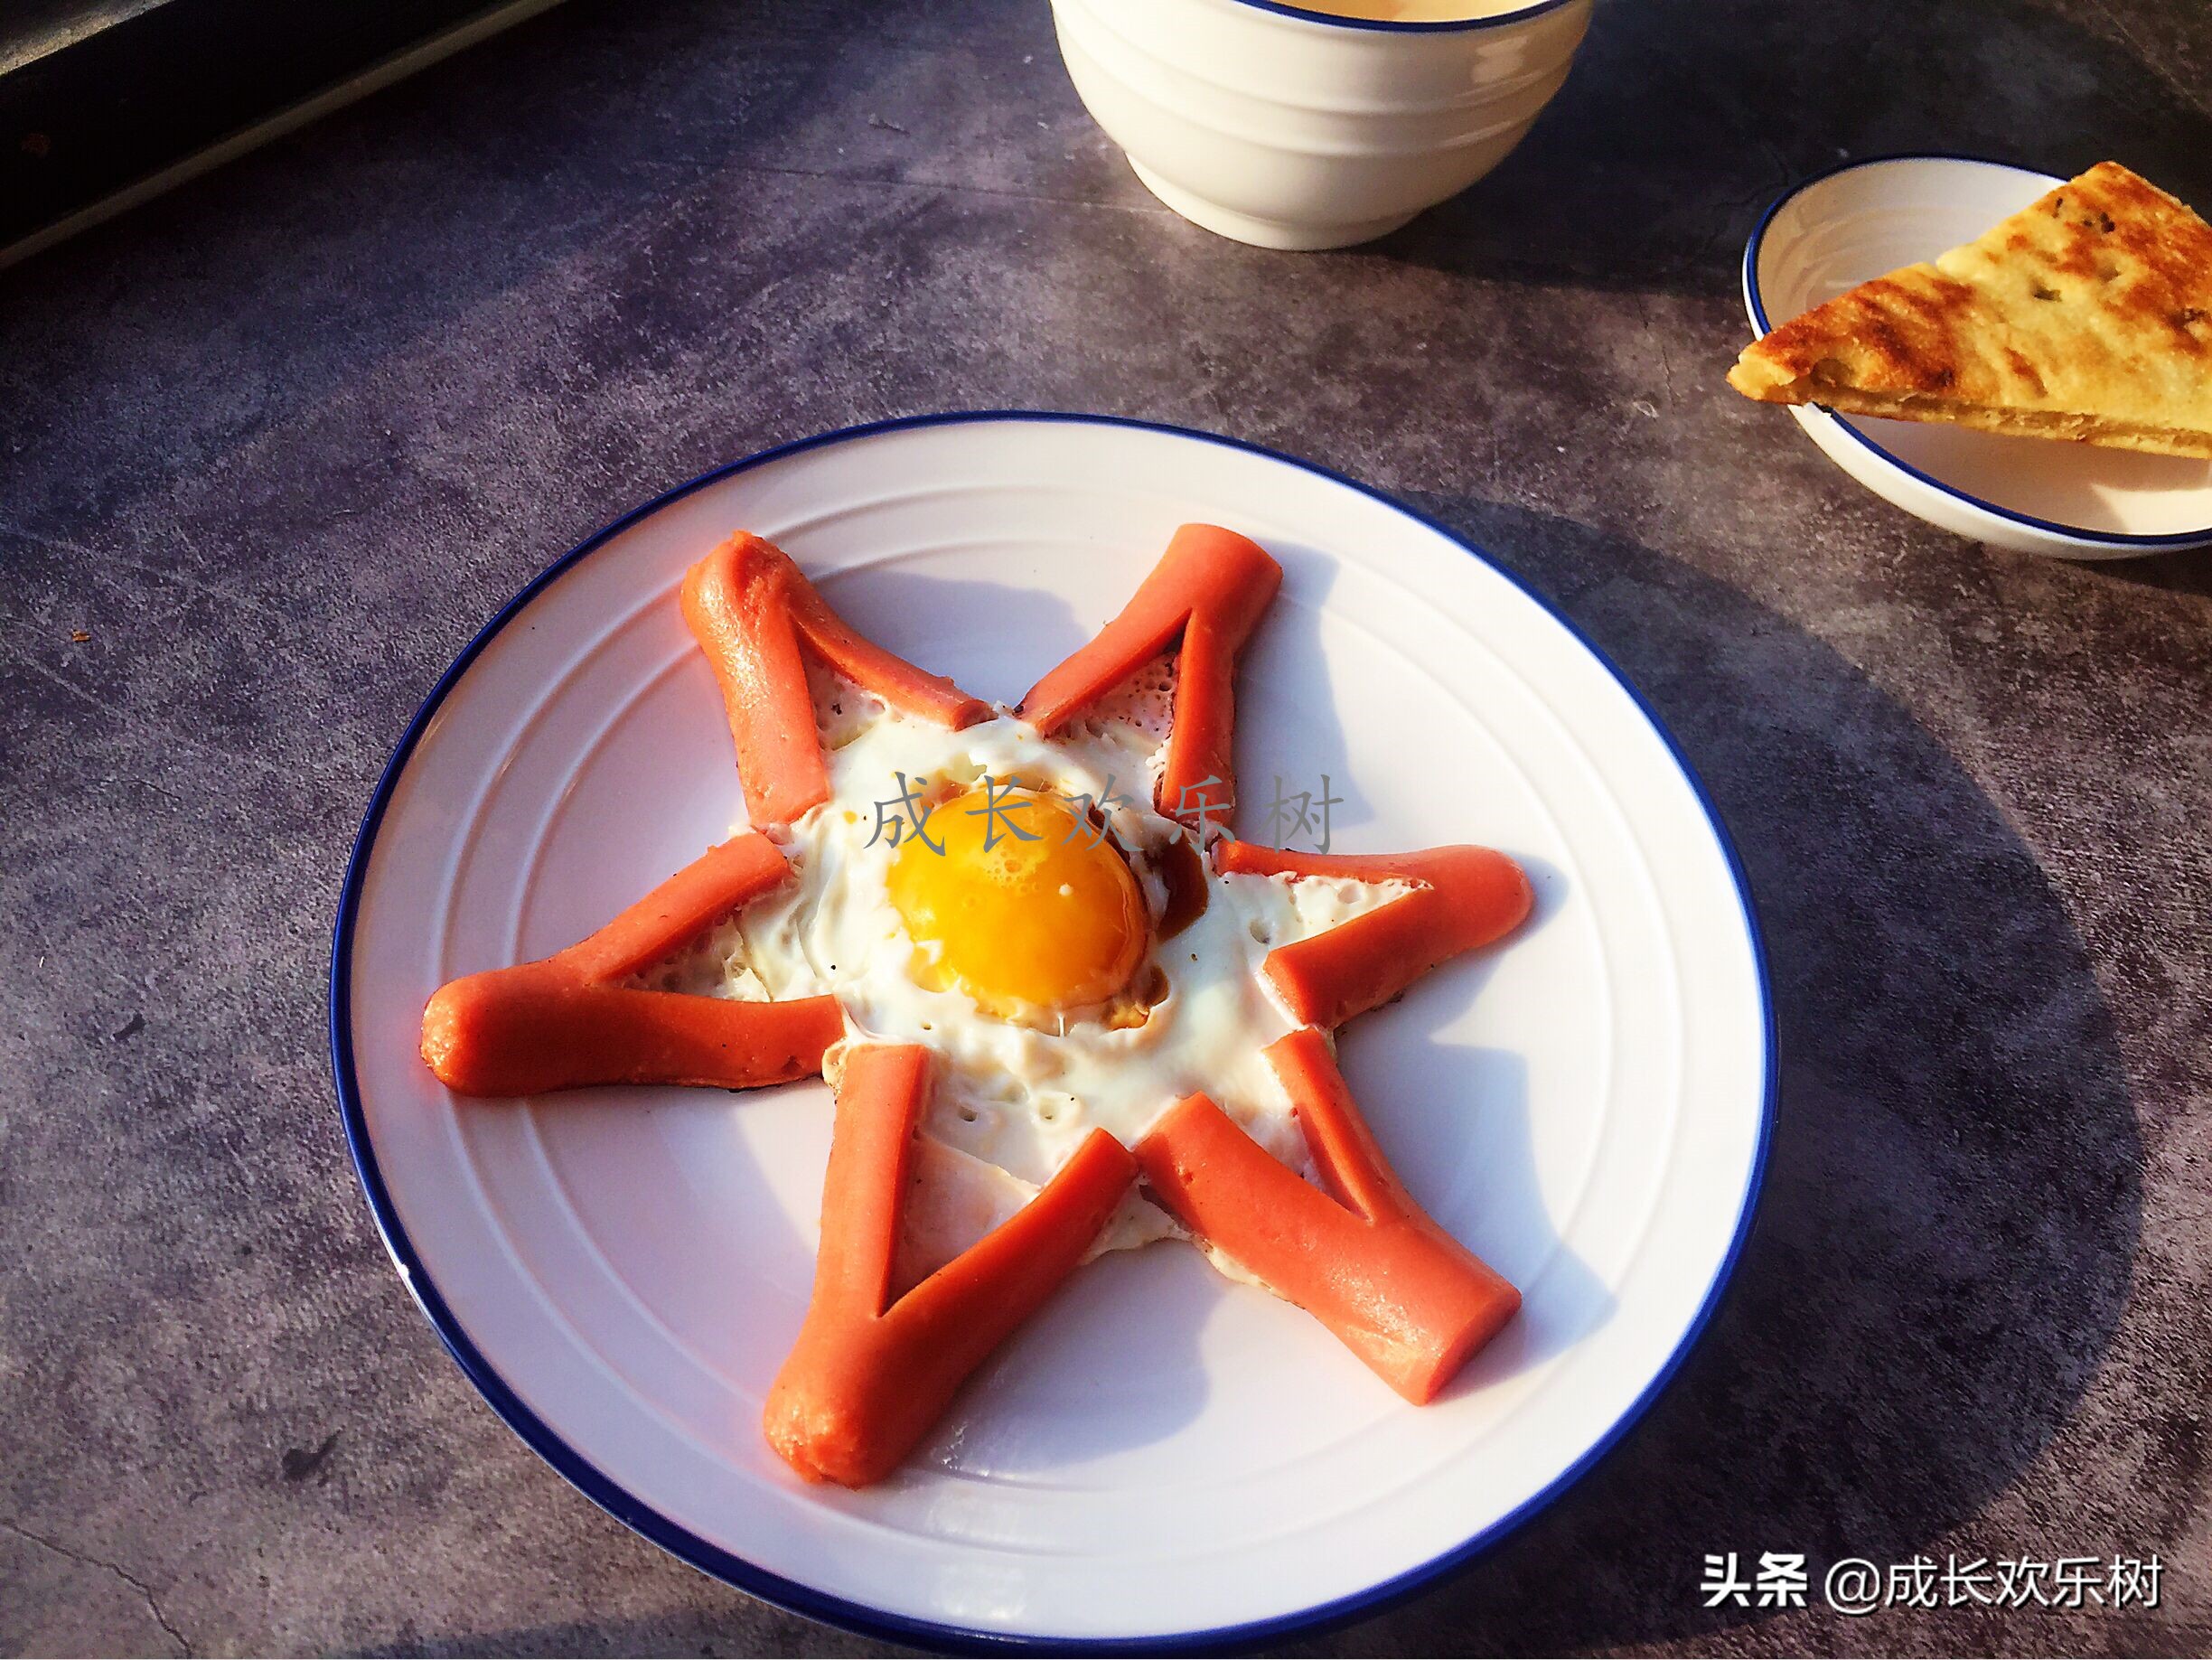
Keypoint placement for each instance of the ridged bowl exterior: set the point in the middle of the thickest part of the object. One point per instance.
(1296, 133)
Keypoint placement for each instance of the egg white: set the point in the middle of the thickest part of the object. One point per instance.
(1014, 1099)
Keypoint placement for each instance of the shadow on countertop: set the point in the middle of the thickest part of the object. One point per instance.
(1683, 119)
(1952, 1199)
(2187, 572)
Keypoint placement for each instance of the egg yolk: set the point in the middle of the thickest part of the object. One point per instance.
(1047, 916)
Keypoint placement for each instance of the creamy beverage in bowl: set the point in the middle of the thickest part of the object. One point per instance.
(1412, 11)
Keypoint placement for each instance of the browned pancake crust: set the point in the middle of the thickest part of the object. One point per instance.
(2087, 315)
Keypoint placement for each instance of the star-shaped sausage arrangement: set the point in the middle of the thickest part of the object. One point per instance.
(1062, 1012)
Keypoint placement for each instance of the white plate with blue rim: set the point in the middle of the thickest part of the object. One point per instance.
(2032, 495)
(1162, 1459)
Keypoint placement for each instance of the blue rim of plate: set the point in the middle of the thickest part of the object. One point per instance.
(789, 1594)
(1381, 25)
(1755, 304)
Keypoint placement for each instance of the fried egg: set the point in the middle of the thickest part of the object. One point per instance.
(1017, 905)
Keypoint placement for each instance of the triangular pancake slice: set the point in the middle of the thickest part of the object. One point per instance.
(2087, 315)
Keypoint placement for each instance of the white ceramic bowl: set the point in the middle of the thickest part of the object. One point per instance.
(1292, 129)
(2032, 495)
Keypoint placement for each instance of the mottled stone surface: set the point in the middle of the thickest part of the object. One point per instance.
(279, 441)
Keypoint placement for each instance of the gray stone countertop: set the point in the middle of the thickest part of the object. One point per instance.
(272, 448)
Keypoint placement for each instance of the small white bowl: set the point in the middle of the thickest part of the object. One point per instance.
(2032, 495)
(1293, 129)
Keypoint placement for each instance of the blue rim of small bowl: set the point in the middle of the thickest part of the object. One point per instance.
(1375, 25)
(1755, 304)
(679, 1541)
